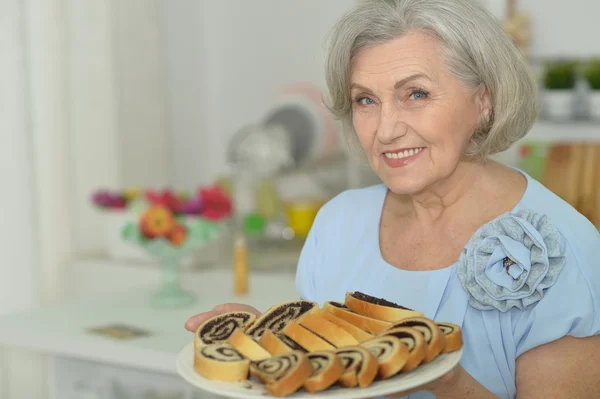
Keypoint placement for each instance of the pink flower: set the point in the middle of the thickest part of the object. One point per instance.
(166, 198)
(216, 204)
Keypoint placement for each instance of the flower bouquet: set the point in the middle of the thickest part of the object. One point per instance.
(169, 228)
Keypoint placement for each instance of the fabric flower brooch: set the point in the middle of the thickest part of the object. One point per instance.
(510, 261)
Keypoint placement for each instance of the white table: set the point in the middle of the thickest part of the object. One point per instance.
(93, 366)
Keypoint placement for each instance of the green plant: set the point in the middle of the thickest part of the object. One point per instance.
(560, 75)
(591, 73)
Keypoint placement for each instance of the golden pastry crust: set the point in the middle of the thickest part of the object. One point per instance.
(276, 344)
(306, 338)
(283, 375)
(453, 334)
(219, 328)
(221, 362)
(366, 323)
(414, 341)
(326, 329)
(276, 317)
(367, 306)
(391, 354)
(247, 346)
(435, 339)
(360, 366)
(327, 371)
(358, 334)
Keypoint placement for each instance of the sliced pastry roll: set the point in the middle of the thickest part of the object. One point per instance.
(306, 338)
(378, 308)
(326, 329)
(284, 374)
(278, 344)
(435, 339)
(360, 366)
(276, 317)
(453, 334)
(221, 362)
(358, 334)
(247, 346)
(327, 370)
(414, 341)
(219, 328)
(390, 352)
(369, 324)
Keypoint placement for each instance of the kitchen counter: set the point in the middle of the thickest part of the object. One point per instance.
(62, 331)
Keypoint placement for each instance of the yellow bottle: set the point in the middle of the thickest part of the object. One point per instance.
(240, 266)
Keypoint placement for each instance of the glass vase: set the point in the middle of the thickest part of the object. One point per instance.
(171, 294)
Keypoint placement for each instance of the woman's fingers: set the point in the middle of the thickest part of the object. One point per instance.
(194, 322)
(235, 307)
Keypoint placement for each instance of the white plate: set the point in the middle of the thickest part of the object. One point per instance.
(253, 389)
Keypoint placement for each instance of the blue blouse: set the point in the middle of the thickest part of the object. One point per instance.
(527, 278)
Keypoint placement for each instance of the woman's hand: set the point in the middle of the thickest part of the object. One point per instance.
(456, 383)
(194, 322)
(440, 384)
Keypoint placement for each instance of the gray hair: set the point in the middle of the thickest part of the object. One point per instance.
(476, 50)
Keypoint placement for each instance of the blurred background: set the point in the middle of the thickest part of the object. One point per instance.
(121, 117)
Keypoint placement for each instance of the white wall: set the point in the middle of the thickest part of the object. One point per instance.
(227, 59)
(559, 28)
(117, 101)
(19, 268)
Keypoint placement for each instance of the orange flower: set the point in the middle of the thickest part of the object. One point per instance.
(157, 221)
(178, 235)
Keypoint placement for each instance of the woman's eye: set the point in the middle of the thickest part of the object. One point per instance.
(365, 101)
(418, 95)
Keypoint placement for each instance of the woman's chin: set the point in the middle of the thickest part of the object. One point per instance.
(403, 187)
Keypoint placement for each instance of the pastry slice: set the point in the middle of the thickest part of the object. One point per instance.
(276, 317)
(435, 339)
(329, 331)
(391, 354)
(365, 323)
(278, 344)
(327, 370)
(221, 362)
(378, 308)
(414, 341)
(306, 338)
(453, 334)
(247, 346)
(360, 366)
(357, 333)
(219, 328)
(284, 374)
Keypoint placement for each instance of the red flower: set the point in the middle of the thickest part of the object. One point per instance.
(166, 198)
(216, 204)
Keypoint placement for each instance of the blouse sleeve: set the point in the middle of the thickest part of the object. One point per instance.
(570, 307)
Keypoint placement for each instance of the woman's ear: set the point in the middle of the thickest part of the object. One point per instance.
(484, 100)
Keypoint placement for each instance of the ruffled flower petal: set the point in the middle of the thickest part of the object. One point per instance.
(510, 261)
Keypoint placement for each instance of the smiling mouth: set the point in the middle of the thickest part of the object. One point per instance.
(403, 153)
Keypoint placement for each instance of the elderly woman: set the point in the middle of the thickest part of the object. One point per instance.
(429, 89)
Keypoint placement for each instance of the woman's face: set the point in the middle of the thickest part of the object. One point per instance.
(412, 116)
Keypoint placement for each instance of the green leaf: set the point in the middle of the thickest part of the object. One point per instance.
(560, 75)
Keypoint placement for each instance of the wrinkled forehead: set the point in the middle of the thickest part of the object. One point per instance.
(414, 53)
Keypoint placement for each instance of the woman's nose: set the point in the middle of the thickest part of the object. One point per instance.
(391, 126)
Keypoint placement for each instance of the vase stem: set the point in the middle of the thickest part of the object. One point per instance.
(171, 294)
